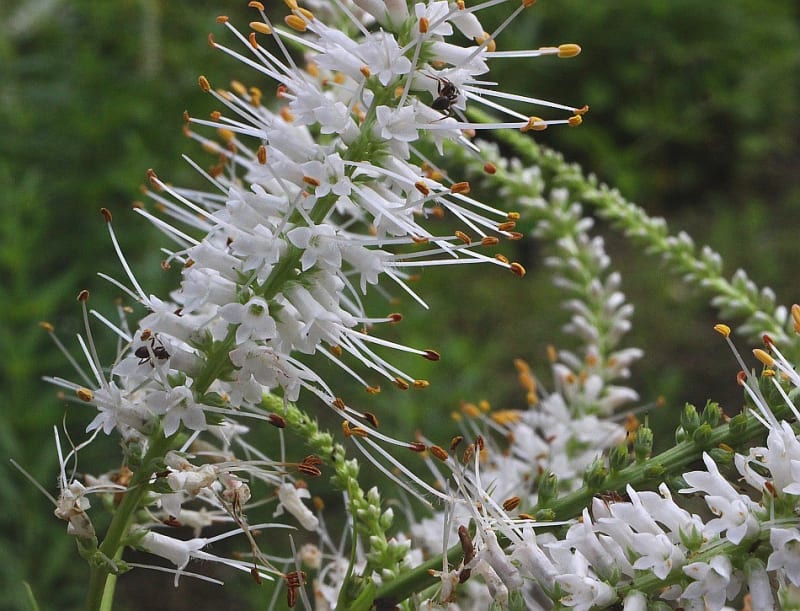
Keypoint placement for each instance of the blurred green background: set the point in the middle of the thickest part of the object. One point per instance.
(694, 114)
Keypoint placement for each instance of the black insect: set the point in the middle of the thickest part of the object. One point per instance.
(145, 354)
(446, 95)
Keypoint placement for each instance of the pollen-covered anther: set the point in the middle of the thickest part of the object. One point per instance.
(512, 503)
(261, 27)
(419, 239)
(335, 350)
(569, 50)
(431, 355)
(373, 390)
(256, 5)
(489, 168)
(83, 296)
(296, 23)
(439, 453)
(251, 38)
(470, 409)
(420, 384)
(536, 124)
(517, 269)
(261, 154)
(401, 384)
(469, 452)
(463, 237)
(507, 226)
(106, 214)
(515, 235)
(353, 431)
(204, 84)
(582, 110)
(416, 446)
(460, 187)
(764, 357)
(423, 25)
(277, 421)
(222, 19)
(371, 418)
(437, 212)
(502, 258)
(84, 394)
(395, 317)
(286, 114)
(489, 240)
(575, 120)
(796, 317)
(723, 330)
(491, 46)
(310, 180)
(365, 71)
(211, 42)
(47, 326)
(422, 188)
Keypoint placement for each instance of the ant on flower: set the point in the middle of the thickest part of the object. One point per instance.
(446, 95)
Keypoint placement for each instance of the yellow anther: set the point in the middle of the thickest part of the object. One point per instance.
(502, 258)
(513, 216)
(569, 50)
(764, 357)
(286, 114)
(84, 394)
(470, 410)
(238, 88)
(420, 384)
(47, 326)
(460, 187)
(575, 120)
(292, 4)
(463, 237)
(489, 240)
(423, 25)
(796, 317)
(401, 384)
(226, 135)
(251, 38)
(204, 84)
(491, 46)
(261, 27)
(306, 13)
(296, 23)
(256, 5)
(373, 390)
(365, 71)
(535, 124)
(723, 330)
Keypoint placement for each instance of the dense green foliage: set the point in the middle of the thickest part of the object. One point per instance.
(694, 114)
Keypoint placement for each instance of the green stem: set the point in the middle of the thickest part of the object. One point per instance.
(101, 588)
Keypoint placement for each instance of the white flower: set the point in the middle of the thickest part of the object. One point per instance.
(712, 580)
(786, 557)
(178, 406)
(253, 319)
(290, 498)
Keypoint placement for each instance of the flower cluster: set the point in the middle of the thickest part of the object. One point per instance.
(319, 194)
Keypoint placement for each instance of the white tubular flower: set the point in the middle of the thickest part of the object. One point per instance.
(713, 580)
(291, 499)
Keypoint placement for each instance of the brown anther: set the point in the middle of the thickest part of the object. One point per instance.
(251, 38)
(534, 123)
(431, 355)
(280, 91)
(83, 296)
(416, 446)
(420, 384)
(46, 326)
(423, 25)
(221, 19)
(335, 351)
(310, 180)
(318, 503)
(502, 258)
(489, 240)
(401, 383)
(365, 71)
(296, 23)
(256, 5)
(480, 443)
(106, 214)
(338, 403)
(186, 116)
(261, 27)
(463, 237)
(395, 317)
(528, 3)
(507, 226)
(255, 575)
(261, 154)
(437, 212)
(463, 575)
(489, 168)
(512, 503)
(582, 110)
(373, 390)
(309, 470)
(514, 235)
(455, 442)
(371, 418)
(466, 544)
(146, 334)
(188, 264)
(277, 421)
(741, 378)
(574, 120)
(211, 42)
(526, 516)
(439, 452)
(770, 486)
(460, 187)
(767, 340)
(469, 452)
(517, 269)
(422, 187)
(419, 239)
